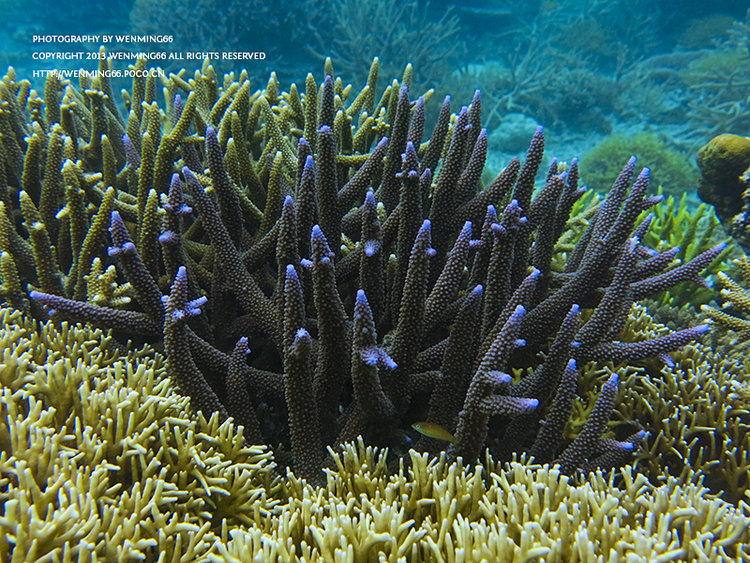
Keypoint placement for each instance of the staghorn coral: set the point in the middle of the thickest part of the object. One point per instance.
(689, 232)
(251, 263)
(101, 459)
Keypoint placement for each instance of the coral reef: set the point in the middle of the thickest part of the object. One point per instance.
(228, 25)
(616, 74)
(718, 84)
(287, 258)
(101, 459)
(321, 282)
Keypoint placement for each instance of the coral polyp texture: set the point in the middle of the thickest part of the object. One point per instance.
(320, 273)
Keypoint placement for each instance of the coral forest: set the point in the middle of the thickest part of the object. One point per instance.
(297, 325)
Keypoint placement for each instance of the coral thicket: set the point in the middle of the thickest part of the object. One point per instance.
(320, 270)
(101, 459)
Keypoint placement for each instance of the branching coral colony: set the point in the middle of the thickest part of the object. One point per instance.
(318, 280)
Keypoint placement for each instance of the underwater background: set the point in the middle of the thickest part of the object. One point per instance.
(382, 281)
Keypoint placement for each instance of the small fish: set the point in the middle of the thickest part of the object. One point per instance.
(432, 430)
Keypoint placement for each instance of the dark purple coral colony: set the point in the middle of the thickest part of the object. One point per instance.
(319, 280)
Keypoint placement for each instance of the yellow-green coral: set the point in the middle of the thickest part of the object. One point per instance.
(100, 459)
(736, 296)
(722, 161)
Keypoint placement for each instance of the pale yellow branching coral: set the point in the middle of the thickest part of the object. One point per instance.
(736, 296)
(101, 460)
(102, 288)
(437, 511)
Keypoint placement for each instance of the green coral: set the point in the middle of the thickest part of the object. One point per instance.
(693, 231)
(100, 459)
(669, 169)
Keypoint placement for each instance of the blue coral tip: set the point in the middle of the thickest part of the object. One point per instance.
(371, 247)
